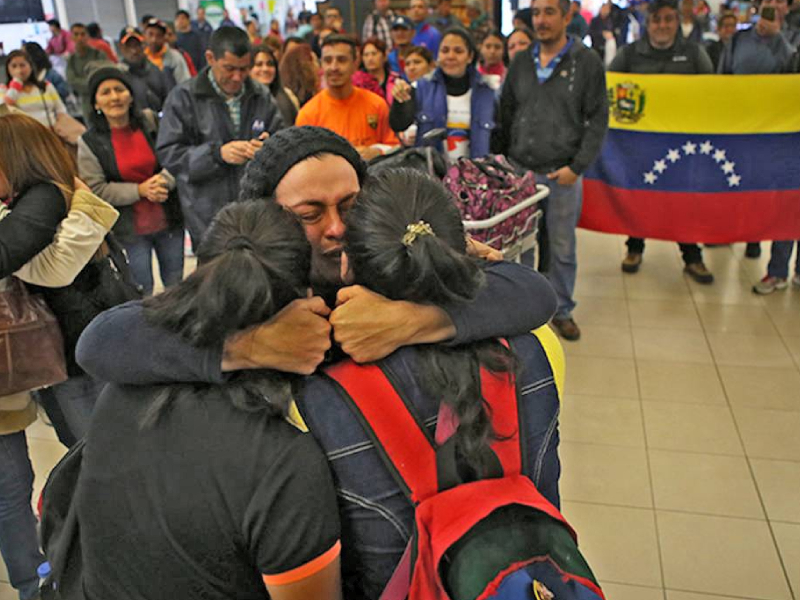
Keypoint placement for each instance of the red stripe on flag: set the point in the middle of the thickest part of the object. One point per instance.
(717, 218)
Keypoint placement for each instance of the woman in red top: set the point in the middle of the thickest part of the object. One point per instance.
(375, 74)
(492, 51)
(116, 158)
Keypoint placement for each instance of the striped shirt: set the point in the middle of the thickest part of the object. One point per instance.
(44, 106)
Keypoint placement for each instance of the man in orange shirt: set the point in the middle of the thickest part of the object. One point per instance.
(357, 115)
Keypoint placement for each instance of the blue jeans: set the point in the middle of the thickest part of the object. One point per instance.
(562, 210)
(168, 246)
(779, 259)
(18, 540)
(69, 406)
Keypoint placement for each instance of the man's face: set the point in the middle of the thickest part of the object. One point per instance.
(402, 36)
(662, 27)
(781, 8)
(381, 5)
(315, 22)
(80, 36)
(182, 23)
(201, 14)
(548, 21)
(726, 29)
(155, 37)
(132, 51)
(444, 8)
(338, 64)
(319, 191)
(417, 10)
(230, 71)
(53, 29)
(332, 18)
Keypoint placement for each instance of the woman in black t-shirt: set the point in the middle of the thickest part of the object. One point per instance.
(208, 491)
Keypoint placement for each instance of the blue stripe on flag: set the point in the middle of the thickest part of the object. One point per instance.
(698, 163)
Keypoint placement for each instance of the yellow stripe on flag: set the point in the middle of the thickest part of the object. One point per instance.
(711, 104)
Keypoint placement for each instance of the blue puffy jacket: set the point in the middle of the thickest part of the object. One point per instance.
(431, 101)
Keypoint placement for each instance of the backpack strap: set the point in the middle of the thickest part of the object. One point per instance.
(398, 436)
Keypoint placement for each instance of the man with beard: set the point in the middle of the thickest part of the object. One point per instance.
(552, 120)
(316, 175)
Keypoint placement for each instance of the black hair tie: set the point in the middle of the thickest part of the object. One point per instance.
(239, 242)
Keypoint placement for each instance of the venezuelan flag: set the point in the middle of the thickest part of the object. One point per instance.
(705, 158)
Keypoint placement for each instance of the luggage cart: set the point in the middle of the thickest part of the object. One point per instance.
(523, 238)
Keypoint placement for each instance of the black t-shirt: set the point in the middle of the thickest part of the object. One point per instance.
(203, 503)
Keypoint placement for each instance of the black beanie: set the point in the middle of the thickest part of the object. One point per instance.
(103, 74)
(285, 149)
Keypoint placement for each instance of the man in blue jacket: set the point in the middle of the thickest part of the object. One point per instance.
(426, 34)
(212, 126)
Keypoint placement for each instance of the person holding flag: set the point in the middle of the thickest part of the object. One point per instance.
(664, 51)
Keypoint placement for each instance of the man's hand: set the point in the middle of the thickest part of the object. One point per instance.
(563, 176)
(368, 152)
(401, 92)
(370, 327)
(238, 152)
(154, 189)
(608, 35)
(481, 250)
(294, 341)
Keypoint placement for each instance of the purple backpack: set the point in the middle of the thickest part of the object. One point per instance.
(484, 187)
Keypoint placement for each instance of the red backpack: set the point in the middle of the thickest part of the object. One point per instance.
(488, 539)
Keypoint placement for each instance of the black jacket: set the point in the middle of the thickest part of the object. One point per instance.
(683, 58)
(99, 142)
(31, 226)
(151, 86)
(561, 122)
(192, 43)
(194, 126)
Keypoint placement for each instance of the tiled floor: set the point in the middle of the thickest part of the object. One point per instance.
(680, 428)
(680, 445)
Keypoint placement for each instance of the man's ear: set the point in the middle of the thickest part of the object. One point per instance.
(209, 56)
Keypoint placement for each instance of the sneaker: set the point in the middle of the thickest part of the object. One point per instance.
(632, 262)
(769, 285)
(752, 250)
(699, 273)
(567, 329)
(796, 280)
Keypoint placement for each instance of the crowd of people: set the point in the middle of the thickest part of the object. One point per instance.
(256, 141)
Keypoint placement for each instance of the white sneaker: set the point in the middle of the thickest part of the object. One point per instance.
(769, 284)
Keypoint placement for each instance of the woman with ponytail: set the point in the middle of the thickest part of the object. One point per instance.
(207, 491)
(404, 240)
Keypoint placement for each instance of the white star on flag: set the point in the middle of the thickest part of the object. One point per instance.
(706, 147)
(733, 180)
(660, 166)
(719, 155)
(690, 148)
(728, 167)
(673, 156)
(650, 177)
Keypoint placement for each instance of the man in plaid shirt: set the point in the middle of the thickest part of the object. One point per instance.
(379, 23)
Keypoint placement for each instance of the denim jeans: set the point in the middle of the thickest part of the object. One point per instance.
(69, 406)
(168, 246)
(18, 540)
(779, 259)
(562, 210)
